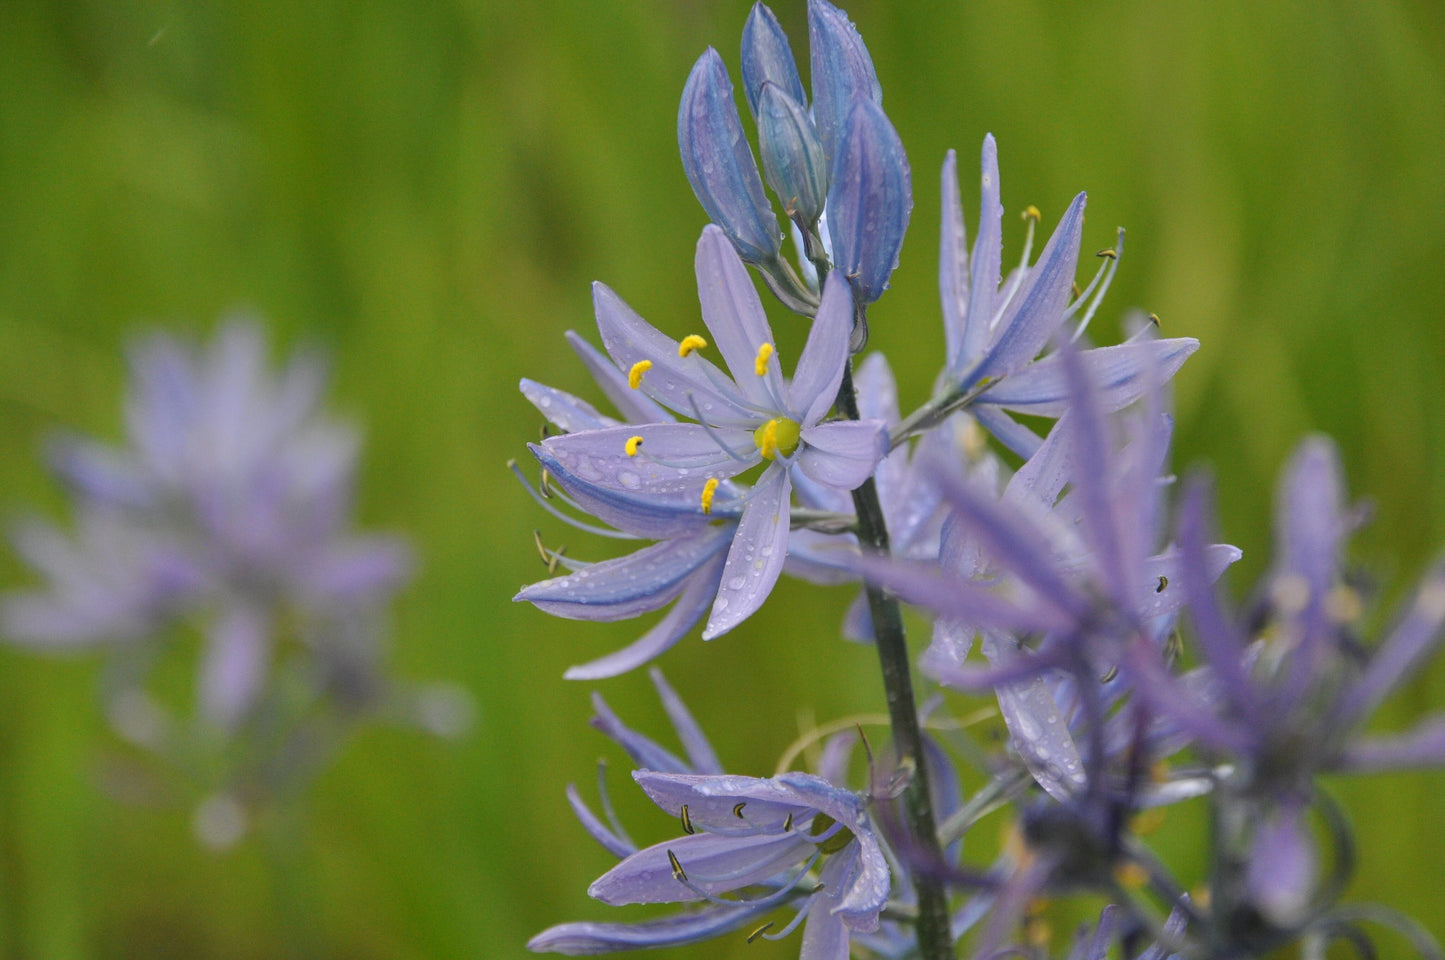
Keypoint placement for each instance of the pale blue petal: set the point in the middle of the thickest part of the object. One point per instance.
(1017, 437)
(584, 938)
(1422, 747)
(819, 372)
(735, 319)
(634, 405)
(610, 841)
(842, 71)
(870, 198)
(564, 411)
(700, 753)
(1037, 729)
(679, 383)
(986, 263)
(952, 260)
(713, 863)
(843, 453)
(1117, 372)
(644, 751)
(233, 670)
(1410, 642)
(672, 464)
(635, 512)
(793, 158)
(757, 554)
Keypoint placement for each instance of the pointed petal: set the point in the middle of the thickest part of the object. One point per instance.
(927, 586)
(671, 464)
(585, 938)
(1118, 373)
(986, 264)
(699, 750)
(757, 554)
(1037, 730)
(564, 411)
(819, 372)
(1037, 309)
(712, 801)
(695, 600)
(642, 581)
(734, 316)
(644, 751)
(638, 513)
(793, 158)
(1017, 437)
(634, 405)
(678, 383)
(1414, 638)
(612, 843)
(952, 261)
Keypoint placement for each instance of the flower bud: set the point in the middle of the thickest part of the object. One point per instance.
(869, 200)
(842, 72)
(768, 58)
(719, 163)
(792, 156)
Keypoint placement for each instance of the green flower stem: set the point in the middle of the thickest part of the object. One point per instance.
(935, 940)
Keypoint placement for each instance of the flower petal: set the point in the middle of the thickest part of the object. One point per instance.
(842, 71)
(1037, 729)
(564, 411)
(757, 554)
(1118, 373)
(700, 753)
(819, 372)
(634, 405)
(713, 863)
(843, 453)
(952, 259)
(586, 938)
(986, 264)
(767, 57)
(734, 316)
(870, 198)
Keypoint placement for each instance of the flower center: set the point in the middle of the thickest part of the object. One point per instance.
(778, 435)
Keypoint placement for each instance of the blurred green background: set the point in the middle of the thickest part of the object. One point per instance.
(428, 187)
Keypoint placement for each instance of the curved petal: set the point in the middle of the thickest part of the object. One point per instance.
(564, 411)
(735, 318)
(843, 453)
(634, 405)
(757, 554)
(711, 862)
(638, 513)
(234, 668)
(819, 372)
(585, 938)
(1120, 373)
(672, 462)
(678, 383)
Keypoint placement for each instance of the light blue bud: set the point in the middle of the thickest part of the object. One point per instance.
(768, 58)
(719, 163)
(842, 72)
(792, 156)
(869, 200)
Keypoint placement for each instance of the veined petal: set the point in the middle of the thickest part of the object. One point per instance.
(568, 413)
(768, 58)
(1042, 476)
(1007, 431)
(671, 463)
(712, 800)
(843, 453)
(713, 863)
(825, 935)
(870, 197)
(986, 264)
(952, 260)
(634, 405)
(642, 581)
(1118, 373)
(819, 372)
(1037, 308)
(719, 163)
(639, 513)
(756, 557)
(678, 383)
(735, 318)
(793, 158)
(586, 938)
(696, 597)
(842, 71)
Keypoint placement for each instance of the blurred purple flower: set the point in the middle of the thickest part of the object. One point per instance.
(228, 508)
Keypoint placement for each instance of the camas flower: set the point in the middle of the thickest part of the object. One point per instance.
(755, 417)
(768, 836)
(995, 327)
(227, 508)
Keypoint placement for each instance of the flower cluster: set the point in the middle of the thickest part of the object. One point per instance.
(1064, 588)
(226, 513)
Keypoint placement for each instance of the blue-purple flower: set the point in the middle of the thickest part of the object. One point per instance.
(680, 472)
(227, 509)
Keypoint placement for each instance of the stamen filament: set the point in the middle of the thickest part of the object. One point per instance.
(570, 521)
(1031, 214)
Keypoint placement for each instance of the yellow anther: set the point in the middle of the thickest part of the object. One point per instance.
(1163, 582)
(709, 489)
(760, 365)
(1031, 212)
(1130, 875)
(687, 826)
(1154, 319)
(778, 435)
(634, 376)
(1109, 252)
(759, 931)
(631, 446)
(690, 343)
(677, 871)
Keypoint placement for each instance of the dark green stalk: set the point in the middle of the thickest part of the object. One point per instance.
(935, 941)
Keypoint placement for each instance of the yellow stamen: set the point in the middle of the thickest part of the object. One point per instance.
(760, 365)
(778, 435)
(634, 376)
(690, 343)
(1111, 253)
(708, 490)
(759, 931)
(677, 872)
(631, 446)
(1031, 212)
(687, 826)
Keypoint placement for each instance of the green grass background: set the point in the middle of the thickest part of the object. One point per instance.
(428, 187)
